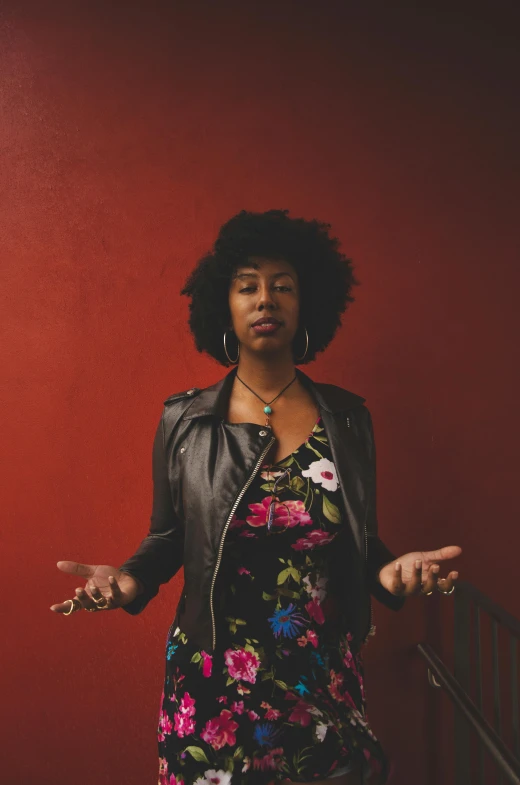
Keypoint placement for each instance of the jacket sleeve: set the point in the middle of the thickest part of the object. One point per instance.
(377, 553)
(160, 554)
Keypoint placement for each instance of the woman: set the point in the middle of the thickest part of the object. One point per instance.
(264, 491)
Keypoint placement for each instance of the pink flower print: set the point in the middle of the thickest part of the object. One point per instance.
(163, 766)
(322, 472)
(172, 780)
(336, 683)
(273, 714)
(290, 513)
(301, 714)
(235, 523)
(237, 707)
(247, 534)
(165, 726)
(220, 730)
(272, 761)
(313, 638)
(313, 538)
(253, 716)
(207, 662)
(242, 664)
(184, 722)
(222, 699)
(242, 689)
(243, 571)
(309, 637)
(315, 611)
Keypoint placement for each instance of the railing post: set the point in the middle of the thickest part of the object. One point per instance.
(462, 634)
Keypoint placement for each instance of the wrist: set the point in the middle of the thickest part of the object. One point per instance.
(138, 585)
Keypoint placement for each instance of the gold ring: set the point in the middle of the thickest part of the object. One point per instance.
(101, 602)
(75, 605)
(426, 593)
(448, 592)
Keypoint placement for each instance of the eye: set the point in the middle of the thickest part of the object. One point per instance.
(283, 288)
(246, 289)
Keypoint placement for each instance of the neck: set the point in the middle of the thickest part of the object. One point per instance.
(266, 376)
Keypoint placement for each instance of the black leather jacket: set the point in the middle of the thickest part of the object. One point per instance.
(202, 466)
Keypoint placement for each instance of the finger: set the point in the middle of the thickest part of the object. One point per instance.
(432, 577)
(61, 607)
(75, 568)
(446, 584)
(115, 591)
(448, 552)
(85, 599)
(414, 584)
(98, 595)
(397, 584)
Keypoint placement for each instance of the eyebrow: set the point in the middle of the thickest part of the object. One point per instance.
(240, 276)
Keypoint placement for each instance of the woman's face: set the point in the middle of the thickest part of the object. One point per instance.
(264, 302)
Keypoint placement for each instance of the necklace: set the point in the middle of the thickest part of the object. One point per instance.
(267, 404)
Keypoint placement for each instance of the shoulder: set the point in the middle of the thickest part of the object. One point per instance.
(186, 395)
(338, 398)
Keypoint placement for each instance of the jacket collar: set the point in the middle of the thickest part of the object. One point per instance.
(214, 400)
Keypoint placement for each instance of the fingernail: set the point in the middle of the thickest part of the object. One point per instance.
(455, 575)
(397, 566)
(418, 564)
(435, 568)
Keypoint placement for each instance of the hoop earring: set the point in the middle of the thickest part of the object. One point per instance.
(233, 362)
(299, 359)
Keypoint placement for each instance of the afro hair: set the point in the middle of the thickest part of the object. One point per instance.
(325, 276)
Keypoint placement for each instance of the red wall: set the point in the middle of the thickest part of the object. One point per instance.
(129, 133)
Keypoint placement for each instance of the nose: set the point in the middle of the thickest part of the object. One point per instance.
(265, 298)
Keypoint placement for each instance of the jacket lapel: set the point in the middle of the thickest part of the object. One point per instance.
(347, 449)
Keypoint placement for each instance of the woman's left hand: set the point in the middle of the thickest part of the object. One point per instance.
(419, 572)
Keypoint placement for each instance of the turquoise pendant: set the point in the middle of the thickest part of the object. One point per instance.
(267, 410)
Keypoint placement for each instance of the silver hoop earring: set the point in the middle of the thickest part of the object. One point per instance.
(233, 362)
(299, 359)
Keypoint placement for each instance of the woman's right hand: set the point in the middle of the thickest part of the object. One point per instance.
(118, 588)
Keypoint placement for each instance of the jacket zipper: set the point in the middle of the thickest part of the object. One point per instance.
(221, 546)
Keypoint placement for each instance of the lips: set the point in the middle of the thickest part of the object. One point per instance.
(266, 326)
(266, 320)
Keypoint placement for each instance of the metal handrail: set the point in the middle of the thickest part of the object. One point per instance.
(469, 603)
(503, 757)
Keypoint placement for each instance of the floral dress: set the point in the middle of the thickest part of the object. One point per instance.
(282, 695)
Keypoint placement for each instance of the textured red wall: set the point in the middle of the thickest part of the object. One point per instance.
(129, 133)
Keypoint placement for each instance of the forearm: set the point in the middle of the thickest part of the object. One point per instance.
(155, 562)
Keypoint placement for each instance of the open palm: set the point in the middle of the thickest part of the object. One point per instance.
(118, 588)
(419, 571)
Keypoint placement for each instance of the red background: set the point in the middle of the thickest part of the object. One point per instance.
(129, 133)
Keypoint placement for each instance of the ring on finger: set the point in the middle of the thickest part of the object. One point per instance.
(101, 602)
(447, 592)
(75, 605)
(426, 593)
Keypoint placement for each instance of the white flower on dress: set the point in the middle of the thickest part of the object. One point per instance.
(322, 472)
(269, 475)
(318, 590)
(212, 777)
(321, 730)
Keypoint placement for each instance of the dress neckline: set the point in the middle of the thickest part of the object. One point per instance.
(282, 460)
